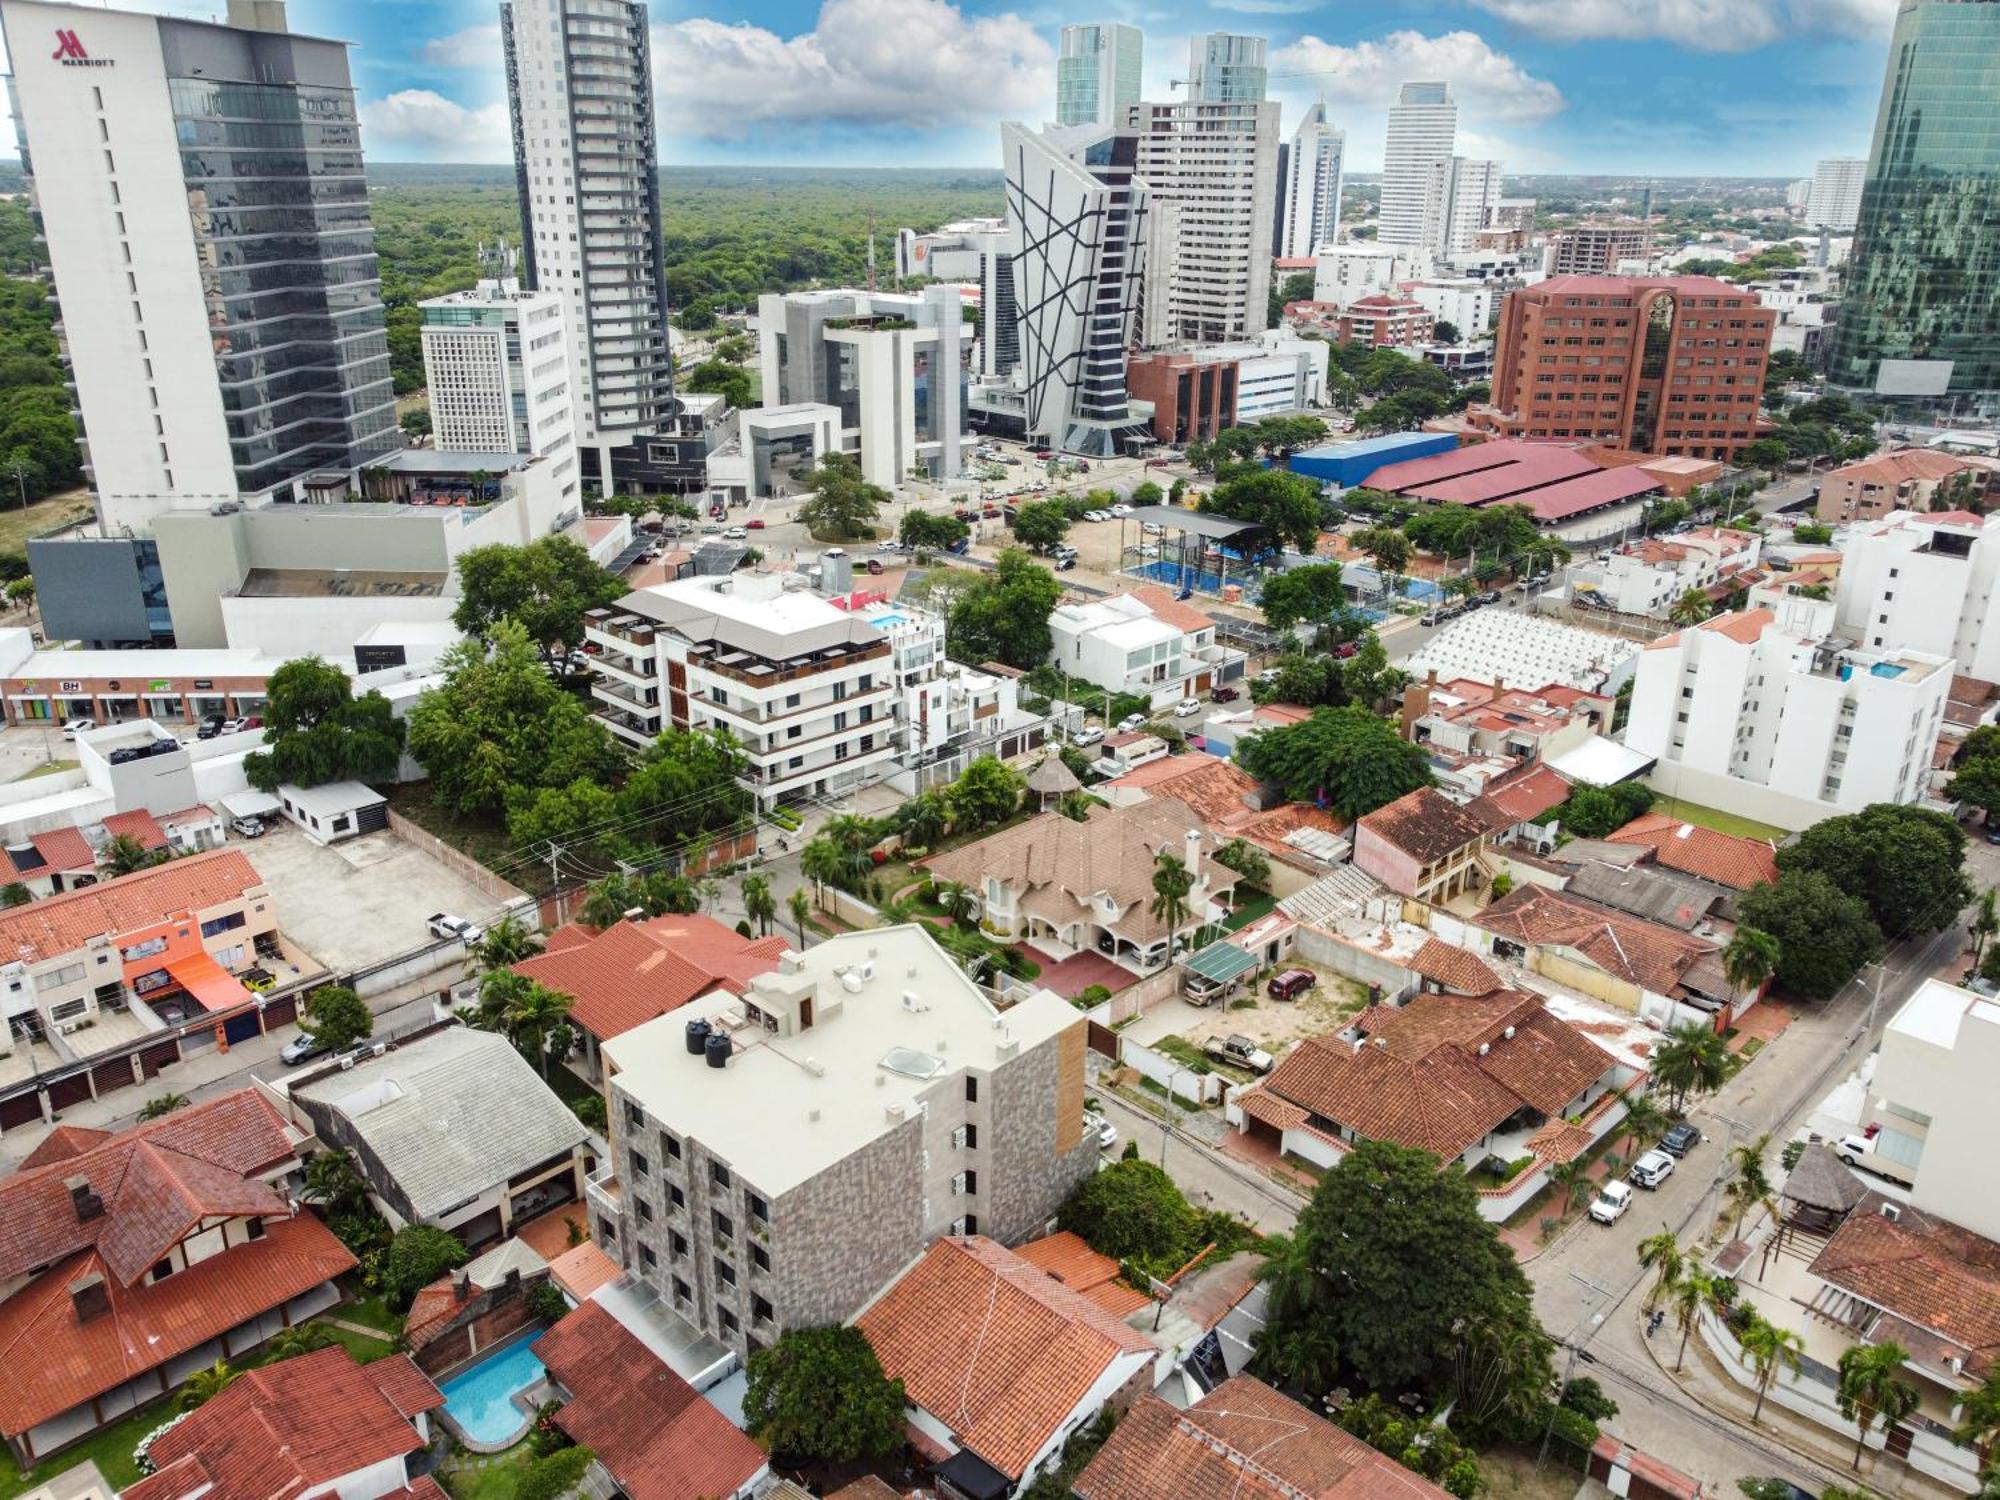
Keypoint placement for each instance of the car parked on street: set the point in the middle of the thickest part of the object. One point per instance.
(1224, 695)
(302, 1048)
(1107, 1135)
(1089, 735)
(209, 727)
(444, 925)
(1611, 1202)
(1681, 1138)
(1652, 1169)
(1187, 707)
(1130, 722)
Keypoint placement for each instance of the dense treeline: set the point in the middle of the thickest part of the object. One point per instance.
(38, 452)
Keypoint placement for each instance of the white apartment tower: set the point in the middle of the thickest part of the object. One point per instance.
(1925, 582)
(1309, 181)
(1417, 166)
(1098, 73)
(1834, 199)
(497, 365)
(580, 92)
(1224, 68)
(201, 193)
(1212, 169)
(1474, 193)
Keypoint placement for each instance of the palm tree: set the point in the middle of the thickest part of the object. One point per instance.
(1872, 1389)
(1985, 922)
(1566, 1175)
(1750, 959)
(535, 1013)
(1644, 1123)
(1661, 1253)
(1768, 1347)
(507, 942)
(1750, 1188)
(1692, 1060)
(301, 1338)
(798, 903)
(204, 1385)
(924, 818)
(606, 902)
(1171, 883)
(956, 901)
(758, 902)
(1306, 1355)
(1690, 609)
(163, 1104)
(1979, 1416)
(124, 854)
(825, 863)
(1691, 1291)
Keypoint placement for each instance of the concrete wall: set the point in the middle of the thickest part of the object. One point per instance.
(1184, 1082)
(1327, 951)
(1745, 799)
(322, 627)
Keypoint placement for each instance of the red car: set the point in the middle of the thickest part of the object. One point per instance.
(1291, 984)
(1045, 454)
(755, 523)
(1156, 463)
(1224, 695)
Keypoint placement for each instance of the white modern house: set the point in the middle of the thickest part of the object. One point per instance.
(1145, 643)
(1925, 582)
(1782, 724)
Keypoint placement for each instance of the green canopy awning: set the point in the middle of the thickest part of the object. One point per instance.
(1219, 963)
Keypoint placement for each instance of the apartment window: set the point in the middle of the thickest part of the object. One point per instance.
(725, 1273)
(967, 1225)
(675, 1197)
(759, 1209)
(640, 1166)
(682, 1292)
(971, 1089)
(670, 1148)
(645, 1211)
(760, 1257)
(725, 1228)
(966, 1137)
(647, 1258)
(727, 1319)
(718, 1173)
(760, 1309)
(677, 1245)
(635, 1117)
(965, 1182)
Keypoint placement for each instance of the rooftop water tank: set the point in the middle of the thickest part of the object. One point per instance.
(697, 1036)
(718, 1050)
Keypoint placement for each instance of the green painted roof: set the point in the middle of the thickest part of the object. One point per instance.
(1220, 962)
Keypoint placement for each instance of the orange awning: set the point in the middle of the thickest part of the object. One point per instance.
(210, 983)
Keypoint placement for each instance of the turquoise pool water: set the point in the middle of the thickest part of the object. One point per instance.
(480, 1398)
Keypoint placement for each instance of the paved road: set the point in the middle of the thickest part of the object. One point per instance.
(1209, 1179)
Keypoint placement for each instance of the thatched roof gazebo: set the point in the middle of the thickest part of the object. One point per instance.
(1051, 781)
(1819, 1191)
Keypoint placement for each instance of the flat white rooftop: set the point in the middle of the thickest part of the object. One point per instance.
(894, 1019)
(1937, 1010)
(1525, 651)
(754, 599)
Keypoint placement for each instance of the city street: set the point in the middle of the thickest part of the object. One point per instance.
(1209, 1179)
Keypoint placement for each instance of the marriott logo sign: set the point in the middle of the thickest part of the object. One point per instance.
(71, 54)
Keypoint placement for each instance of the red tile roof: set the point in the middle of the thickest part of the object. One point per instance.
(61, 1143)
(1213, 787)
(1242, 1441)
(1725, 858)
(138, 824)
(582, 1269)
(1933, 1274)
(1903, 464)
(1455, 968)
(1522, 799)
(1644, 953)
(287, 1427)
(1425, 824)
(1169, 610)
(651, 1429)
(1744, 626)
(55, 1363)
(1065, 1256)
(64, 849)
(993, 1347)
(632, 972)
(64, 923)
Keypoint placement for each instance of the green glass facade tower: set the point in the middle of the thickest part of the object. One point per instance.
(1924, 285)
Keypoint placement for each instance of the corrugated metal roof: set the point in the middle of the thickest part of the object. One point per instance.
(1220, 962)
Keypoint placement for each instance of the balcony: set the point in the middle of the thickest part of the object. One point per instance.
(602, 1192)
(618, 695)
(633, 729)
(628, 628)
(625, 669)
(741, 666)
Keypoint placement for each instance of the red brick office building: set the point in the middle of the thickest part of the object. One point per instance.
(1656, 364)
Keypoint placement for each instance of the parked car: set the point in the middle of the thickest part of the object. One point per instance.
(1064, 564)
(1346, 649)
(1269, 674)
(1611, 1202)
(1429, 619)
(1784, 1489)
(755, 523)
(444, 925)
(736, 533)
(1045, 454)
(1107, 1135)
(248, 828)
(235, 726)
(1680, 1139)
(1863, 1150)
(1187, 707)
(874, 565)
(1239, 1050)
(302, 1048)
(208, 729)
(1652, 1169)
(74, 727)
(1224, 695)
(1130, 722)
(1089, 735)
(1121, 510)
(1291, 983)
(1153, 528)
(960, 547)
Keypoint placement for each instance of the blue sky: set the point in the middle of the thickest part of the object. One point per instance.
(1674, 87)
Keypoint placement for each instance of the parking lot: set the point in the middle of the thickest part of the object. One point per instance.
(1272, 1024)
(355, 903)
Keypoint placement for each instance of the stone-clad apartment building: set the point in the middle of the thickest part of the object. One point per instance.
(779, 1155)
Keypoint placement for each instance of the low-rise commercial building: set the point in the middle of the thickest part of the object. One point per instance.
(1566, 491)
(780, 1154)
(1384, 321)
(1500, 646)
(1197, 393)
(1467, 303)
(1649, 577)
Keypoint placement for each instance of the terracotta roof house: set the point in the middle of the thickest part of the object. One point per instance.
(1516, 801)
(59, 859)
(633, 971)
(1463, 1077)
(1242, 1441)
(1456, 969)
(652, 1432)
(1065, 1256)
(1906, 479)
(999, 1360)
(477, 1306)
(1720, 858)
(308, 1425)
(1638, 966)
(125, 1253)
(1070, 887)
(1303, 841)
(1422, 845)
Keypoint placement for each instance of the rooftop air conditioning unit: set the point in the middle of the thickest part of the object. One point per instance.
(1893, 1212)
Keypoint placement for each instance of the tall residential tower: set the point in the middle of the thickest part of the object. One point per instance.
(1416, 166)
(1309, 178)
(1098, 73)
(201, 193)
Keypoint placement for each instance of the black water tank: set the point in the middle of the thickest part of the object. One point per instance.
(718, 1051)
(697, 1036)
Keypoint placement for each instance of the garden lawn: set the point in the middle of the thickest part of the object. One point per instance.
(1721, 822)
(374, 1310)
(485, 1476)
(110, 1450)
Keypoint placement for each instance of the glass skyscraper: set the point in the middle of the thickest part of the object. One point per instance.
(1921, 313)
(1097, 73)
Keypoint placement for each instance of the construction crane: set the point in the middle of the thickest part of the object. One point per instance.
(1181, 83)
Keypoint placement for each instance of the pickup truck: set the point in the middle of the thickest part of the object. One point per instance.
(1239, 1050)
(444, 925)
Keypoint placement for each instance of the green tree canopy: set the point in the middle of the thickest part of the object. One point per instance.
(544, 587)
(820, 1394)
(1906, 863)
(1004, 616)
(1309, 680)
(316, 730)
(1595, 812)
(337, 1016)
(1824, 935)
(1041, 523)
(1301, 596)
(932, 531)
(1348, 758)
(1133, 1211)
(843, 506)
(417, 1256)
(986, 792)
(729, 381)
(1284, 506)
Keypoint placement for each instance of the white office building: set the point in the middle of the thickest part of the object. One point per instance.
(1347, 273)
(1417, 166)
(1785, 725)
(1474, 191)
(1081, 212)
(229, 350)
(1212, 168)
(1309, 182)
(975, 252)
(1925, 582)
(1099, 70)
(497, 366)
(1834, 200)
(580, 92)
(1468, 305)
(1224, 68)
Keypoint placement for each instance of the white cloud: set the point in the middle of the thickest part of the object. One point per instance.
(921, 63)
(1706, 25)
(1488, 85)
(474, 47)
(434, 128)
(1268, 7)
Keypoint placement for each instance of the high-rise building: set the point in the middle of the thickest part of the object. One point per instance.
(1212, 169)
(1224, 68)
(1081, 211)
(496, 364)
(1098, 73)
(201, 193)
(1309, 179)
(1416, 166)
(580, 92)
(1834, 200)
(1474, 192)
(1657, 364)
(1596, 249)
(980, 251)
(1923, 292)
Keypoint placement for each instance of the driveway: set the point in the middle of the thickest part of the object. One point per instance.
(1273, 1024)
(1073, 975)
(353, 903)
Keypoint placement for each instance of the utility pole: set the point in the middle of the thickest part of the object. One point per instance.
(1592, 1291)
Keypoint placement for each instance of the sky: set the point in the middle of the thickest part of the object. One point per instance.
(1666, 87)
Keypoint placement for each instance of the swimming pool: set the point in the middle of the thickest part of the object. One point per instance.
(480, 1399)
